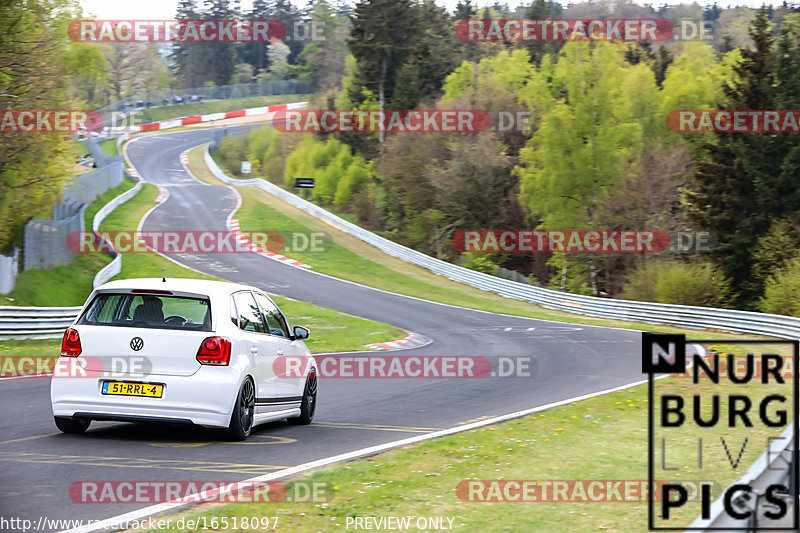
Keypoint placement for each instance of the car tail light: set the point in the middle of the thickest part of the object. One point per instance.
(214, 351)
(71, 343)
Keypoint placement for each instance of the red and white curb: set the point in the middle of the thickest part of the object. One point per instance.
(413, 340)
(185, 157)
(185, 121)
(163, 194)
(132, 172)
(257, 249)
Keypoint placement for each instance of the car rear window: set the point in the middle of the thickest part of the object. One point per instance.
(148, 311)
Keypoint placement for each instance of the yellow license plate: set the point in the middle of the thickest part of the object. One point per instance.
(120, 388)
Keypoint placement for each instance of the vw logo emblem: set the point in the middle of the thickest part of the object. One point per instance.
(137, 344)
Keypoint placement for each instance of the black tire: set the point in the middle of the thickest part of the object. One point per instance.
(67, 424)
(309, 403)
(243, 410)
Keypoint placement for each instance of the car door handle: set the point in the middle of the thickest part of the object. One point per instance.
(280, 352)
(253, 350)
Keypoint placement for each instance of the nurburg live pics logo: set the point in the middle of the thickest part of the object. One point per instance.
(725, 413)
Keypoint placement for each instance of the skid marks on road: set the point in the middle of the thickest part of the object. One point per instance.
(252, 440)
(375, 427)
(136, 462)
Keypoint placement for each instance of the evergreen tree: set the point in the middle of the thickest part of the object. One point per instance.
(285, 12)
(662, 61)
(256, 53)
(220, 58)
(748, 179)
(542, 9)
(464, 10)
(381, 40)
(187, 59)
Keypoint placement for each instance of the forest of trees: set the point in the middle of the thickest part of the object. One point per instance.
(596, 154)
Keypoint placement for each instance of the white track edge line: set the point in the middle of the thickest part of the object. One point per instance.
(109, 523)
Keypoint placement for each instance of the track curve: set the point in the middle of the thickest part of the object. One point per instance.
(39, 465)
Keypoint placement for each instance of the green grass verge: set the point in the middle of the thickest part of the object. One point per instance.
(65, 285)
(62, 286)
(604, 438)
(109, 146)
(80, 148)
(203, 108)
(103, 199)
(354, 260)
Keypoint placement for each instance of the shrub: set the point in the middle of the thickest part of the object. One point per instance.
(231, 153)
(641, 285)
(479, 261)
(699, 284)
(782, 291)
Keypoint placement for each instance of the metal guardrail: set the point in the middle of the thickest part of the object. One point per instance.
(35, 322)
(647, 312)
(772, 467)
(115, 266)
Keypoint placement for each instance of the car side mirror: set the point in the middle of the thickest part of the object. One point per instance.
(300, 333)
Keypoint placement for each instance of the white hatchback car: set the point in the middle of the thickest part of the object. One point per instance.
(181, 351)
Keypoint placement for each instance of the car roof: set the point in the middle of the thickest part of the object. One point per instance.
(186, 285)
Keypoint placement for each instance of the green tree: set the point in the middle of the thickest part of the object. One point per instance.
(589, 139)
(323, 62)
(747, 180)
(242, 73)
(33, 75)
(88, 72)
(380, 40)
(775, 249)
(542, 9)
(256, 53)
(187, 61)
(220, 58)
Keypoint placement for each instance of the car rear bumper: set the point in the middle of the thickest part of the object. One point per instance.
(205, 398)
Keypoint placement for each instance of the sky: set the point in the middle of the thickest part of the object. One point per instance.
(165, 9)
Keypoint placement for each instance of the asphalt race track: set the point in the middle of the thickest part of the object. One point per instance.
(38, 464)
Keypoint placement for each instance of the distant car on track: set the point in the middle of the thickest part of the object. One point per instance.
(181, 351)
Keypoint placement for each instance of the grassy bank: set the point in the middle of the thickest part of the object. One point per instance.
(109, 146)
(354, 260)
(604, 438)
(65, 285)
